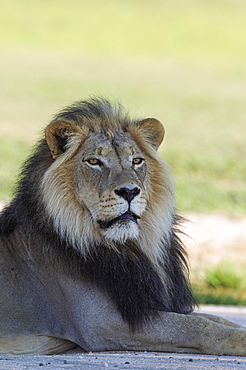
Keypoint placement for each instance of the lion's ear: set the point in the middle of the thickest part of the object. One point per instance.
(153, 131)
(57, 134)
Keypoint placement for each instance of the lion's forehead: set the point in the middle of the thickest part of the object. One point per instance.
(118, 145)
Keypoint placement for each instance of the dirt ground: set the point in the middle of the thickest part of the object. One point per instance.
(213, 239)
(123, 360)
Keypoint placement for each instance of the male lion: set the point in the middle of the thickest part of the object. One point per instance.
(89, 251)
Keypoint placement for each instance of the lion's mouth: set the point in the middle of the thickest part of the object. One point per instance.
(125, 216)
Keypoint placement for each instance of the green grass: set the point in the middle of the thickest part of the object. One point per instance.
(181, 62)
(222, 285)
(219, 296)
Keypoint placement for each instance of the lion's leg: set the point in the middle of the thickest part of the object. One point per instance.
(98, 326)
(171, 332)
(199, 333)
(33, 344)
(218, 319)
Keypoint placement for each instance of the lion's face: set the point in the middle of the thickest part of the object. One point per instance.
(107, 184)
(111, 180)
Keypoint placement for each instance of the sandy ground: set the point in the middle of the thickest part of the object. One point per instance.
(124, 360)
(213, 239)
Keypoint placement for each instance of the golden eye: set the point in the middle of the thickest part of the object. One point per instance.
(137, 161)
(94, 162)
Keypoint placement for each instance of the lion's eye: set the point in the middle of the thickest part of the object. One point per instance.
(94, 162)
(137, 161)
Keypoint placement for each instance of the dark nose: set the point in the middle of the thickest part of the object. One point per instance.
(127, 193)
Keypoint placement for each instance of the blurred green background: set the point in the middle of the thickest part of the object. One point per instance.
(181, 61)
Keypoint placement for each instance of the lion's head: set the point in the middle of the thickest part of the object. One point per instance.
(106, 180)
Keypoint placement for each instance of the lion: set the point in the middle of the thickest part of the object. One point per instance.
(90, 253)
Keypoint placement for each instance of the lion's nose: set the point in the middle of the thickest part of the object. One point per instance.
(127, 193)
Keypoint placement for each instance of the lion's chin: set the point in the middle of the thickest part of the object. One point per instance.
(122, 231)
